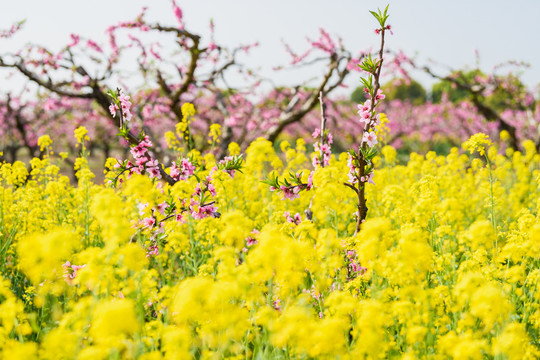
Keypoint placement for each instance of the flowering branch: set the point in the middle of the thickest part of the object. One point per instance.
(360, 162)
(323, 136)
(291, 187)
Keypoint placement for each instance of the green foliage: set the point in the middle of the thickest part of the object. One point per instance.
(454, 93)
(509, 95)
(358, 96)
(235, 163)
(292, 181)
(381, 16)
(369, 65)
(399, 90)
(506, 92)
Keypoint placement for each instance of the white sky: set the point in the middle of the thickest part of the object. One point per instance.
(445, 31)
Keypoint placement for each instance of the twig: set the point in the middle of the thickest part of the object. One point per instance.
(323, 124)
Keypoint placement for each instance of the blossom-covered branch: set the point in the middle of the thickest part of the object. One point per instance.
(361, 169)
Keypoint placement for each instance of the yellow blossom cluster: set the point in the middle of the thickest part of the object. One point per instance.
(181, 139)
(188, 111)
(214, 133)
(477, 142)
(446, 266)
(81, 134)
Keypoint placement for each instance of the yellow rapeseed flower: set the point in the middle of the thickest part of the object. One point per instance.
(478, 142)
(44, 142)
(81, 134)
